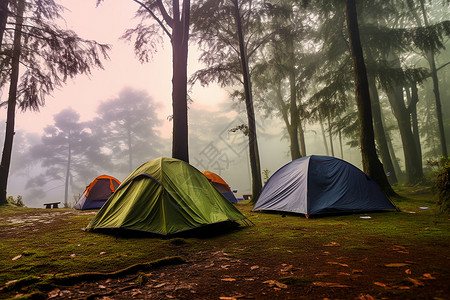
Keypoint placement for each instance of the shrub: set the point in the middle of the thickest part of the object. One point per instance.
(17, 202)
(443, 185)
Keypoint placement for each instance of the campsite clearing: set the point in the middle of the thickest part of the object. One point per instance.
(393, 255)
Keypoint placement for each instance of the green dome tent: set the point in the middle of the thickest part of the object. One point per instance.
(165, 196)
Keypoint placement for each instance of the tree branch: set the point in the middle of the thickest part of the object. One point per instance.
(169, 22)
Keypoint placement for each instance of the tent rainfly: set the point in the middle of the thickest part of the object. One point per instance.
(315, 185)
(220, 185)
(97, 192)
(165, 196)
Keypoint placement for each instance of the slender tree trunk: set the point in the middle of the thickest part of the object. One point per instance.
(398, 170)
(180, 36)
(11, 111)
(413, 99)
(371, 164)
(283, 108)
(3, 19)
(295, 149)
(340, 144)
(69, 162)
(413, 162)
(252, 140)
(301, 137)
(380, 135)
(324, 138)
(330, 133)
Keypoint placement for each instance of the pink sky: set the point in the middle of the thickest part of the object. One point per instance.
(106, 24)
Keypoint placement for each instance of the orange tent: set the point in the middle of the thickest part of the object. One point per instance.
(97, 192)
(220, 185)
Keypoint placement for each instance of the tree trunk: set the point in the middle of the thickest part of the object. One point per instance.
(301, 137)
(371, 164)
(180, 36)
(413, 162)
(413, 99)
(3, 19)
(293, 134)
(340, 144)
(398, 170)
(11, 112)
(323, 134)
(69, 162)
(252, 140)
(330, 132)
(380, 135)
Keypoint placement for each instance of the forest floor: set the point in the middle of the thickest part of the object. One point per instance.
(45, 253)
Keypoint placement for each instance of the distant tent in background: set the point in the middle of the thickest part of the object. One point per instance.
(165, 196)
(314, 185)
(220, 185)
(96, 193)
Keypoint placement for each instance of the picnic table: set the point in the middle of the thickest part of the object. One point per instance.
(51, 205)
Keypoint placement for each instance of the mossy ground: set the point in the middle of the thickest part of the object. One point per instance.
(35, 242)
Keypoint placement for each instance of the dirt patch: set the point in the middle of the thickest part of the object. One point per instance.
(383, 273)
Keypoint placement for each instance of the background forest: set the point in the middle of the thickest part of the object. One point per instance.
(302, 86)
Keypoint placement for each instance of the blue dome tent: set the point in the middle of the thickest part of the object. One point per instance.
(314, 185)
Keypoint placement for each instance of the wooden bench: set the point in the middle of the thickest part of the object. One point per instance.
(52, 205)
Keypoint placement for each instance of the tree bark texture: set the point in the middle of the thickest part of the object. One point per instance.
(11, 110)
(252, 139)
(371, 164)
(180, 37)
(3, 19)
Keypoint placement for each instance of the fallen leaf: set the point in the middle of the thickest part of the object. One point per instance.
(428, 276)
(73, 255)
(332, 244)
(54, 293)
(330, 284)
(101, 286)
(365, 297)
(336, 263)
(254, 267)
(381, 284)
(9, 283)
(159, 285)
(396, 265)
(403, 287)
(170, 296)
(276, 283)
(17, 257)
(286, 268)
(108, 280)
(345, 274)
(228, 279)
(322, 274)
(225, 266)
(415, 281)
(103, 252)
(228, 298)
(408, 271)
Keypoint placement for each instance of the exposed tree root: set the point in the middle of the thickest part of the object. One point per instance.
(48, 282)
